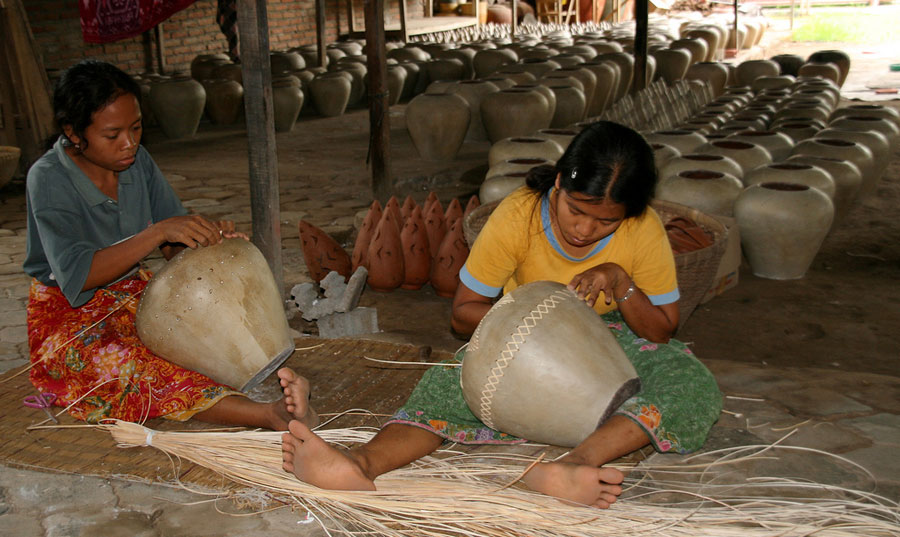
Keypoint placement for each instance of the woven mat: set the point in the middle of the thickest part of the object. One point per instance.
(341, 377)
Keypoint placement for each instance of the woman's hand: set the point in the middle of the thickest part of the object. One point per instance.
(227, 230)
(608, 278)
(191, 231)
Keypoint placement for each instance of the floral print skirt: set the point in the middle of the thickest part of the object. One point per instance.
(677, 405)
(105, 367)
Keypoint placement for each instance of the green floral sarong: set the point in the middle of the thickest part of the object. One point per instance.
(678, 403)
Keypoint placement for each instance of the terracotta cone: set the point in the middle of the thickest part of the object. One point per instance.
(472, 205)
(385, 255)
(407, 208)
(364, 237)
(435, 226)
(453, 213)
(451, 257)
(322, 253)
(416, 252)
(432, 198)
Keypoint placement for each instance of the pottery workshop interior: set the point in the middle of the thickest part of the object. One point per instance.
(257, 253)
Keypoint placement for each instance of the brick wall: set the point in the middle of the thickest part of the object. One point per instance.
(57, 31)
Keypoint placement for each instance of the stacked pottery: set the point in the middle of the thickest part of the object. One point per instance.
(330, 93)
(708, 191)
(782, 227)
(178, 105)
(437, 124)
(524, 147)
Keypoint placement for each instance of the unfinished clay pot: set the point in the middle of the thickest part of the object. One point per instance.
(217, 310)
(322, 253)
(385, 256)
(538, 328)
(451, 256)
(847, 181)
(416, 252)
(360, 254)
(793, 172)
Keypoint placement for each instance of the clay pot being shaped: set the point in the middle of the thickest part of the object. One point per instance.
(536, 328)
(748, 155)
(846, 177)
(777, 144)
(416, 252)
(437, 124)
(322, 253)
(220, 297)
(714, 73)
(385, 256)
(473, 91)
(838, 57)
(793, 172)
(435, 226)
(682, 140)
(330, 93)
(701, 161)
(858, 154)
(451, 256)
(360, 254)
(514, 112)
(782, 227)
(224, 101)
(497, 187)
(708, 191)
(524, 147)
(178, 104)
(287, 100)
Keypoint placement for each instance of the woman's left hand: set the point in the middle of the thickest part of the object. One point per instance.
(227, 230)
(608, 278)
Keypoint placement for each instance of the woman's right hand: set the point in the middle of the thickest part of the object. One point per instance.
(190, 230)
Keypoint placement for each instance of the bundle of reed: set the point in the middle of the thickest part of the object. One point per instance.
(469, 495)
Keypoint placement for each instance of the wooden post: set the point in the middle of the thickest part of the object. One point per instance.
(515, 18)
(320, 31)
(379, 116)
(253, 25)
(737, 46)
(404, 33)
(640, 46)
(160, 48)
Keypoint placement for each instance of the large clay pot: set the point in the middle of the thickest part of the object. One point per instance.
(408, 53)
(446, 69)
(287, 100)
(281, 62)
(777, 144)
(178, 105)
(793, 172)
(663, 154)
(607, 74)
(868, 123)
(524, 147)
(870, 110)
(451, 257)
(538, 67)
(788, 63)
(224, 101)
(750, 70)
(782, 227)
(824, 70)
(858, 154)
(220, 297)
(708, 191)
(359, 257)
(385, 256)
(497, 187)
(330, 93)
(563, 137)
(710, 36)
(570, 105)
(416, 252)
(797, 130)
(473, 91)
(625, 62)
(873, 140)
(231, 71)
(696, 46)
(682, 140)
(700, 161)
(437, 124)
(486, 62)
(846, 177)
(514, 166)
(322, 253)
(203, 64)
(672, 64)
(357, 73)
(548, 95)
(514, 112)
(748, 155)
(542, 330)
(464, 55)
(396, 82)
(838, 57)
(714, 73)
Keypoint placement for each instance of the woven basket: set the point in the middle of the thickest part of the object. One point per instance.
(695, 270)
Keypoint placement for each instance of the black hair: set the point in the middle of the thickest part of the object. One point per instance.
(85, 88)
(605, 160)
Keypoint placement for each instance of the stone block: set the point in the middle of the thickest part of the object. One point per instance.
(355, 286)
(304, 295)
(352, 323)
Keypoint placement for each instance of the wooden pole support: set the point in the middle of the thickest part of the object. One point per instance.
(379, 114)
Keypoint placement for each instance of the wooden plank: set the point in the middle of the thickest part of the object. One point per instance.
(253, 25)
(320, 31)
(379, 116)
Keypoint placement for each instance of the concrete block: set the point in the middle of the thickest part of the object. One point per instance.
(355, 286)
(321, 308)
(352, 323)
(304, 294)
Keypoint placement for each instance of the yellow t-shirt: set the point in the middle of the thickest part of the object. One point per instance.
(517, 246)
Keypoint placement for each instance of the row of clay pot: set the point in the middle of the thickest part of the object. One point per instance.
(408, 246)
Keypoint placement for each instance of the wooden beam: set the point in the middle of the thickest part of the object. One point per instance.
(515, 17)
(351, 18)
(404, 34)
(640, 46)
(320, 31)
(253, 25)
(379, 114)
(160, 48)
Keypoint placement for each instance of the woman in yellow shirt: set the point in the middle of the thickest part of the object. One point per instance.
(586, 223)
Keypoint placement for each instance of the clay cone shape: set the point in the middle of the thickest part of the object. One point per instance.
(364, 237)
(436, 227)
(416, 252)
(409, 204)
(472, 205)
(393, 206)
(322, 253)
(385, 255)
(432, 198)
(453, 213)
(451, 257)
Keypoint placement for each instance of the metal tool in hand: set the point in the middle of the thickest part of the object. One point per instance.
(43, 401)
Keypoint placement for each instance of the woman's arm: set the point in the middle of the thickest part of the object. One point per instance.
(468, 309)
(655, 323)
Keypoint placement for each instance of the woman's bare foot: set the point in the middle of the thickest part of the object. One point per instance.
(577, 483)
(313, 461)
(295, 405)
